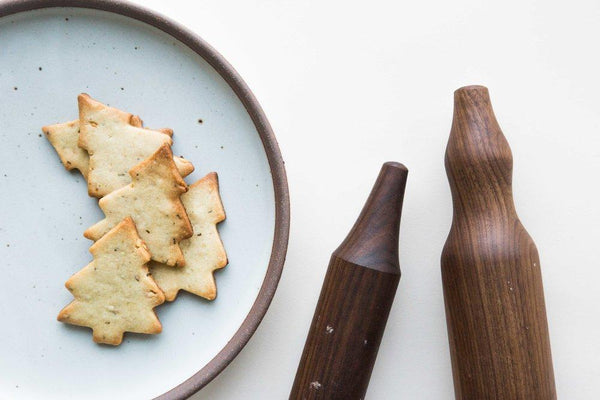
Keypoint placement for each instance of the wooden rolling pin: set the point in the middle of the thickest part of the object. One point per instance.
(495, 310)
(356, 298)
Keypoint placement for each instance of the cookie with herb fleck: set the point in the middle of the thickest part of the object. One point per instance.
(152, 200)
(115, 293)
(204, 252)
(116, 143)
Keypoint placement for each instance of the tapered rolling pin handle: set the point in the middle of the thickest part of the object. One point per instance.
(497, 327)
(355, 299)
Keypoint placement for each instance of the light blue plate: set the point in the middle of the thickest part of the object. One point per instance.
(47, 57)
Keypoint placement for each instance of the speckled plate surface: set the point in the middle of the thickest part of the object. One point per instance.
(171, 79)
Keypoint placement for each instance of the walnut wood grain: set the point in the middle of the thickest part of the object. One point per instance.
(356, 298)
(495, 309)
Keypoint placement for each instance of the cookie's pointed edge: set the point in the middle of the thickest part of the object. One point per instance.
(136, 121)
(184, 166)
(86, 104)
(127, 227)
(50, 132)
(162, 155)
(212, 179)
(166, 131)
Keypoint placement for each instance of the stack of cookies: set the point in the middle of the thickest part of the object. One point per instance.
(159, 235)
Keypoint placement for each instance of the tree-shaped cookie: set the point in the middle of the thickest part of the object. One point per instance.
(115, 293)
(204, 252)
(116, 142)
(152, 200)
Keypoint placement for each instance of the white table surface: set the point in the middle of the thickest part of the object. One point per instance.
(348, 85)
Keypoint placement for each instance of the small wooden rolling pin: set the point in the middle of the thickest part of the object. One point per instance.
(493, 292)
(356, 298)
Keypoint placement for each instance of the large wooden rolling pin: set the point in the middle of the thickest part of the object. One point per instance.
(495, 310)
(356, 298)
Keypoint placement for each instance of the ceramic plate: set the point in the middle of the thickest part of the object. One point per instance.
(137, 61)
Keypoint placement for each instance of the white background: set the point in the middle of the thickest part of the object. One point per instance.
(348, 85)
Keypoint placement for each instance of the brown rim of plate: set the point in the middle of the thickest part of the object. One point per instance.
(276, 164)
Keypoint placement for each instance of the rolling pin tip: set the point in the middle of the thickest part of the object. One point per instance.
(373, 240)
(468, 99)
(471, 89)
(395, 164)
